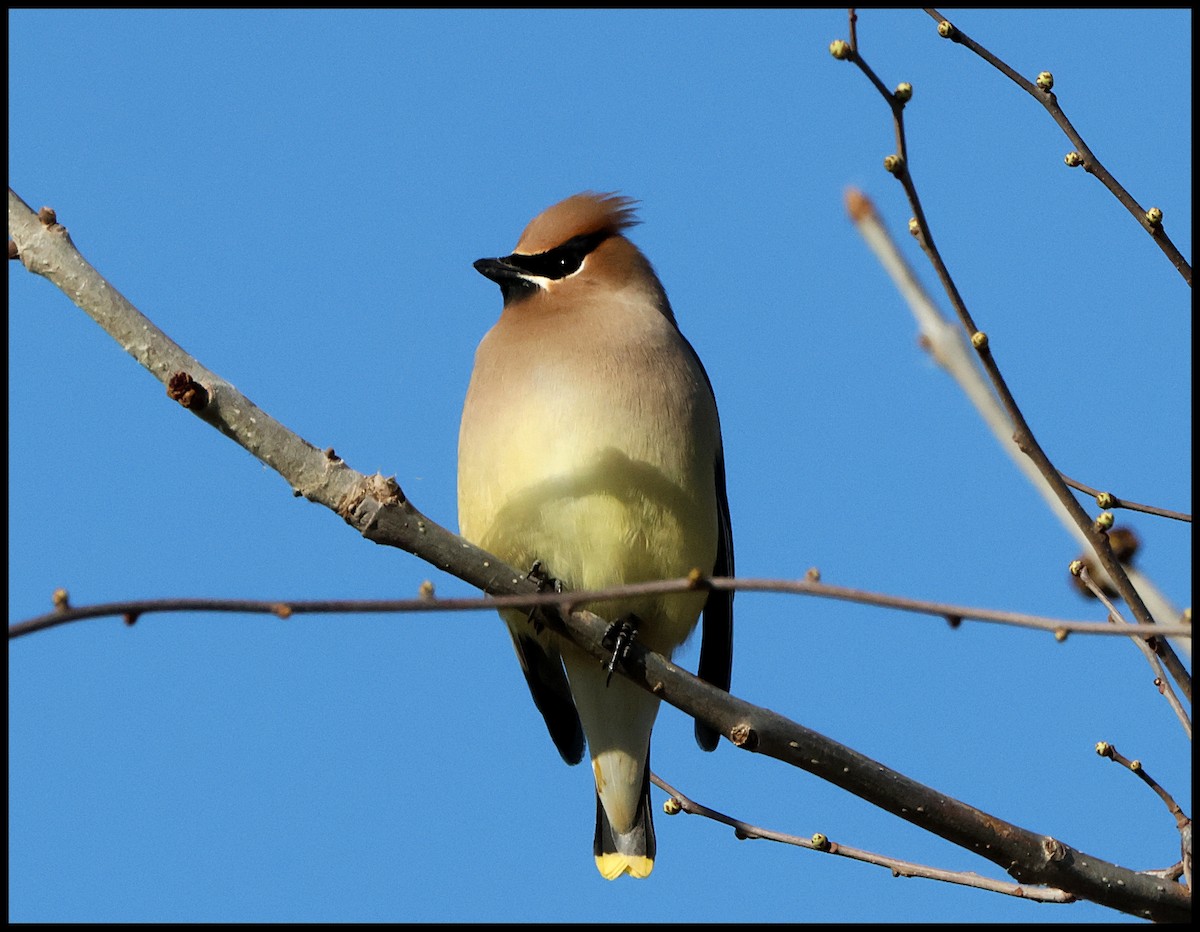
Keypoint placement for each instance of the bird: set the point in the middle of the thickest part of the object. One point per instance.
(590, 452)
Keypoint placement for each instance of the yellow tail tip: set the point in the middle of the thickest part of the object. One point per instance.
(612, 866)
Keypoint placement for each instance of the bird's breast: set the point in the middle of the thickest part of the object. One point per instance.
(600, 464)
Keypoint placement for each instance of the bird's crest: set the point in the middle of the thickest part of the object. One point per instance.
(578, 215)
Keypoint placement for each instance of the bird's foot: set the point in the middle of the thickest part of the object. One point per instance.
(545, 583)
(543, 580)
(619, 636)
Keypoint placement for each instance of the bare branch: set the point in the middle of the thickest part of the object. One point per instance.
(374, 505)
(898, 166)
(949, 348)
(1149, 219)
(1149, 648)
(1104, 749)
(378, 509)
(819, 842)
(1107, 500)
(1027, 856)
(132, 610)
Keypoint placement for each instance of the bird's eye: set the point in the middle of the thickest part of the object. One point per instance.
(560, 261)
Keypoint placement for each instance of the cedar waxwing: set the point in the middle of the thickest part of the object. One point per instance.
(590, 446)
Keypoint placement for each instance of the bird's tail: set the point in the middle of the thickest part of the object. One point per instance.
(630, 852)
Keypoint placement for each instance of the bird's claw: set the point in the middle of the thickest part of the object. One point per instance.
(620, 635)
(544, 581)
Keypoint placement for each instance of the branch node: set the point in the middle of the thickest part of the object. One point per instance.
(187, 391)
(1054, 848)
(744, 736)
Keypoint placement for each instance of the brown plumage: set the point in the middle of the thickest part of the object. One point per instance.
(577, 215)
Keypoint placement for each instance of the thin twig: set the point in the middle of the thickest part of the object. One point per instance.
(1149, 648)
(132, 610)
(898, 166)
(946, 344)
(1104, 749)
(1109, 501)
(1150, 220)
(819, 842)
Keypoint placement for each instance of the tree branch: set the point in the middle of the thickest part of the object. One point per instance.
(897, 164)
(1150, 220)
(132, 610)
(818, 842)
(378, 509)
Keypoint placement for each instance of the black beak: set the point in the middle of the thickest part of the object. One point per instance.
(498, 270)
(514, 283)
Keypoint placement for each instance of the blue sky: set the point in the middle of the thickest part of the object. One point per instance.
(297, 198)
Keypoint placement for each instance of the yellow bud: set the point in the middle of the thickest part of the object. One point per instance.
(839, 49)
(1045, 80)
